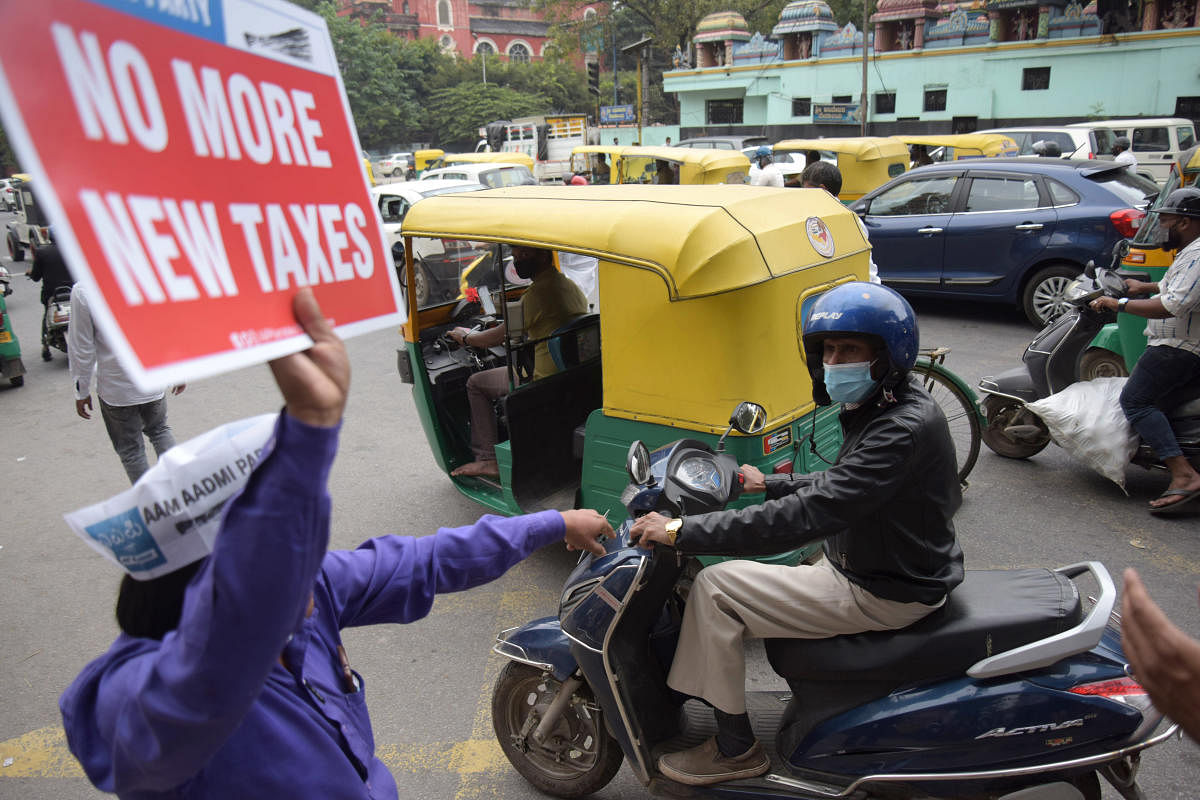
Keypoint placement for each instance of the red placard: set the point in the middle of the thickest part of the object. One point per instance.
(199, 164)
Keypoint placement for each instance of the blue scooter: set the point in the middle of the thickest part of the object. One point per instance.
(1013, 689)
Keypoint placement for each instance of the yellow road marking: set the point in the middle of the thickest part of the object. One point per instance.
(41, 753)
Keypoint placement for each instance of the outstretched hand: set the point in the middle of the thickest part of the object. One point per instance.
(585, 528)
(1165, 660)
(314, 382)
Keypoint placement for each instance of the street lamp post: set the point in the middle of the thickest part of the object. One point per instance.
(483, 53)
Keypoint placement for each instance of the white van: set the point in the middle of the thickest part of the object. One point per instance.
(1156, 143)
(1072, 142)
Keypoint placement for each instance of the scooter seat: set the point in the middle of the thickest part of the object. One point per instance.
(990, 612)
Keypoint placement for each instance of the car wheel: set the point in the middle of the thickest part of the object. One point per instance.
(1044, 299)
(396, 172)
(421, 284)
(1100, 363)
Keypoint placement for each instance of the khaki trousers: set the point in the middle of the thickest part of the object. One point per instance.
(734, 600)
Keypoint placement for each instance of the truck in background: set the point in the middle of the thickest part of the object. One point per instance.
(548, 140)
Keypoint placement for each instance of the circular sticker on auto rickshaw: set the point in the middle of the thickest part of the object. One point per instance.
(819, 236)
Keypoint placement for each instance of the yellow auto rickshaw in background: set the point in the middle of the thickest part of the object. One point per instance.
(425, 159)
(952, 147)
(677, 269)
(596, 162)
(451, 159)
(689, 166)
(865, 162)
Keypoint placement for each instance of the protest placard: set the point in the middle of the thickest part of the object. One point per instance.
(198, 161)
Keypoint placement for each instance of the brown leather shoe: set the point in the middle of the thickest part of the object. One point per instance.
(704, 765)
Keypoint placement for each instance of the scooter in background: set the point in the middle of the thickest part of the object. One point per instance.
(1015, 688)
(1051, 364)
(11, 366)
(56, 322)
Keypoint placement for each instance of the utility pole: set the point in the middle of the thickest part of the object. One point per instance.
(862, 108)
(641, 47)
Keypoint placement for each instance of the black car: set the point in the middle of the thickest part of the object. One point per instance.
(1010, 230)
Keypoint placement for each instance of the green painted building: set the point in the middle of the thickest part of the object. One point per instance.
(940, 68)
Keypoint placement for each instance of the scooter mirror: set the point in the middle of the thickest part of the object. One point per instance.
(638, 463)
(749, 418)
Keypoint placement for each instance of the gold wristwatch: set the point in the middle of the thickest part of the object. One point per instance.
(672, 527)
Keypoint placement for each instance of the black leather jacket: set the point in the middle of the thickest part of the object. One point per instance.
(884, 509)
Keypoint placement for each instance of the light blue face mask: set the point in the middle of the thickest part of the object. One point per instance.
(849, 383)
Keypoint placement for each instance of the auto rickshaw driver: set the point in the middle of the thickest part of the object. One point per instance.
(551, 300)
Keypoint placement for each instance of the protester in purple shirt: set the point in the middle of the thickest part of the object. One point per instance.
(229, 678)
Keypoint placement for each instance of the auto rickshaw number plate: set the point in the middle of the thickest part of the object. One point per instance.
(775, 441)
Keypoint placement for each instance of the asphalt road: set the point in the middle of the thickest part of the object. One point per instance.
(429, 683)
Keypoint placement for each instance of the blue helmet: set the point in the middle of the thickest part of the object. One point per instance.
(763, 151)
(862, 309)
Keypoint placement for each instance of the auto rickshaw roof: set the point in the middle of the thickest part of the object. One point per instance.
(1189, 159)
(703, 158)
(863, 148)
(599, 148)
(701, 240)
(990, 144)
(450, 159)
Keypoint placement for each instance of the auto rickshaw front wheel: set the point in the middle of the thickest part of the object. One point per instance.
(578, 756)
(15, 251)
(1097, 362)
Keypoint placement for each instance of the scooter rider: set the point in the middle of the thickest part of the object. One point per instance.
(1172, 356)
(884, 510)
(49, 268)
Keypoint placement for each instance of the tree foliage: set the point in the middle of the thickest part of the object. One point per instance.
(405, 92)
(456, 113)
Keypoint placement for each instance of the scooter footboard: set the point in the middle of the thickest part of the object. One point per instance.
(541, 644)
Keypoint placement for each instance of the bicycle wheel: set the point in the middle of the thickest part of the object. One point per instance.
(960, 414)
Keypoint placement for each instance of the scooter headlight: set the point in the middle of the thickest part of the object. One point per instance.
(699, 474)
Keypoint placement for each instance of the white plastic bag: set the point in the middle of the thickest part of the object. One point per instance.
(171, 516)
(1087, 421)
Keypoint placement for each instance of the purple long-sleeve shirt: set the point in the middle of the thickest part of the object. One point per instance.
(210, 711)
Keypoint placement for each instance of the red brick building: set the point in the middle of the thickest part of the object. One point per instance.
(508, 28)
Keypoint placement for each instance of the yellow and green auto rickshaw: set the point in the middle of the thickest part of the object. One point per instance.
(865, 162)
(686, 277)
(1119, 344)
(426, 159)
(688, 166)
(596, 162)
(955, 146)
(451, 159)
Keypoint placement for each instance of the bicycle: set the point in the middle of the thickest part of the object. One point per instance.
(958, 402)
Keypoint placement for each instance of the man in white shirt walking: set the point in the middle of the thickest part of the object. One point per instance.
(128, 413)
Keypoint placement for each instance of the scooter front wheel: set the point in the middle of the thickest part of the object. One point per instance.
(1012, 431)
(577, 756)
